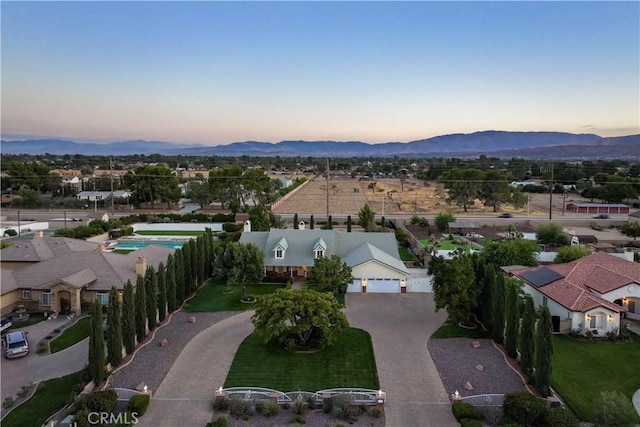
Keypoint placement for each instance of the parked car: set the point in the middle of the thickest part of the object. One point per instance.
(505, 215)
(601, 216)
(15, 345)
(5, 324)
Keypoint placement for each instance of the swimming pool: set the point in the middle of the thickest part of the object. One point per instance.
(132, 245)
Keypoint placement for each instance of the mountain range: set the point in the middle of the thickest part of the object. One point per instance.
(542, 145)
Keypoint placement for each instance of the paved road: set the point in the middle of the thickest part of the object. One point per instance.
(400, 326)
(35, 368)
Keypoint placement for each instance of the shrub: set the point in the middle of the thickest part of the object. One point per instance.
(101, 401)
(464, 410)
(10, 232)
(270, 409)
(138, 404)
(297, 419)
(298, 407)
(220, 404)
(238, 408)
(8, 402)
(524, 408)
(376, 412)
(221, 421)
(560, 417)
(470, 422)
(615, 410)
(343, 409)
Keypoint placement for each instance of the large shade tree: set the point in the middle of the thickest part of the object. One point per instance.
(454, 286)
(299, 319)
(330, 274)
(241, 264)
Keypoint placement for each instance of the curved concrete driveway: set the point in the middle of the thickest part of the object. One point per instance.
(186, 393)
(400, 326)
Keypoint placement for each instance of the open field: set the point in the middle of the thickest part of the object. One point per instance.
(391, 197)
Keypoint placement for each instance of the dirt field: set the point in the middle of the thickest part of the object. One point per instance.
(390, 196)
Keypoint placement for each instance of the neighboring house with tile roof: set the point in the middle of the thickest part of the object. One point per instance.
(41, 248)
(373, 257)
(68, 280)
(592, 292)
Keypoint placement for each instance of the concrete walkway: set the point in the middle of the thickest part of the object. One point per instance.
(400, 326)
(186, 393)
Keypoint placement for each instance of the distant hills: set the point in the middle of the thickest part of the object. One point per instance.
(542, 145)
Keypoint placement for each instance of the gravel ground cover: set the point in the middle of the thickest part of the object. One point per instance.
(456, 361)
(152, 362)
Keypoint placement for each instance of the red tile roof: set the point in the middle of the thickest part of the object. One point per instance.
(585, 278)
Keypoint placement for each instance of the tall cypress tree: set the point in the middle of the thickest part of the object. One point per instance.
(527, 334)
(349, 223)
(497, 293)
(201, 255)
(162, 292)
(544, 352)
(295, 221)
(330, 222)
(128, 318)
(311, 222)
(186, 269)
(96, 345)
(512, 319)
(179, 277)
(141, 309)
(172, 303)
(114, 333)
(194, 265)
(383, 223)
(151, 290)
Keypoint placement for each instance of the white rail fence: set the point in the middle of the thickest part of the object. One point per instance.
(358, 396)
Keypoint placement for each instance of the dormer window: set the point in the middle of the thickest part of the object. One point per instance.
(319, 248)
(319, 253)
(280, 248)
(279, 254)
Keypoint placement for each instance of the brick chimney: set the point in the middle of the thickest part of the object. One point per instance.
(39, 234)
(141, 266)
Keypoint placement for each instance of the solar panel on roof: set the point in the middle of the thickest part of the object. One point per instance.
(540, 277)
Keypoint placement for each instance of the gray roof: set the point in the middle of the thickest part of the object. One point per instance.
(354, 248)
(8, 281)
(463, 225)
(44, 248)
(95, 269)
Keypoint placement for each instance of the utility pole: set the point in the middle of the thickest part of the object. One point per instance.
(551, 192)
(111, 176)
(327, 180)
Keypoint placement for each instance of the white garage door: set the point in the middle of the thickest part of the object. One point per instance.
(383, 286)
(355, 286)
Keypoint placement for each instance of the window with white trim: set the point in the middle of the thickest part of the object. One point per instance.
(319, 253)
(544, 301)
(26, 294)
(46, 298)
(279, 254)
(103, 297)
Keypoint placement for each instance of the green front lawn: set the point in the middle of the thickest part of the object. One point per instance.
(214, 297)
(32, 320)
(405, 255)
(49, 397)
(169, 233)
(350, 362)
(72, 335)
(582, 369)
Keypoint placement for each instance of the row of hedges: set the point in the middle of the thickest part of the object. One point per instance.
(87, 409)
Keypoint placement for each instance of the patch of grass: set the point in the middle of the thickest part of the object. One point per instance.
(169, 232)
(49, 397)
(32, 320)
(213, 297)
(72, 335)
(450, 330)
(405, 255)
(123, 251)
(582, 369)
(448, 245)
(350, 362)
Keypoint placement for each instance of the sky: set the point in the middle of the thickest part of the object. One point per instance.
(207, 72)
